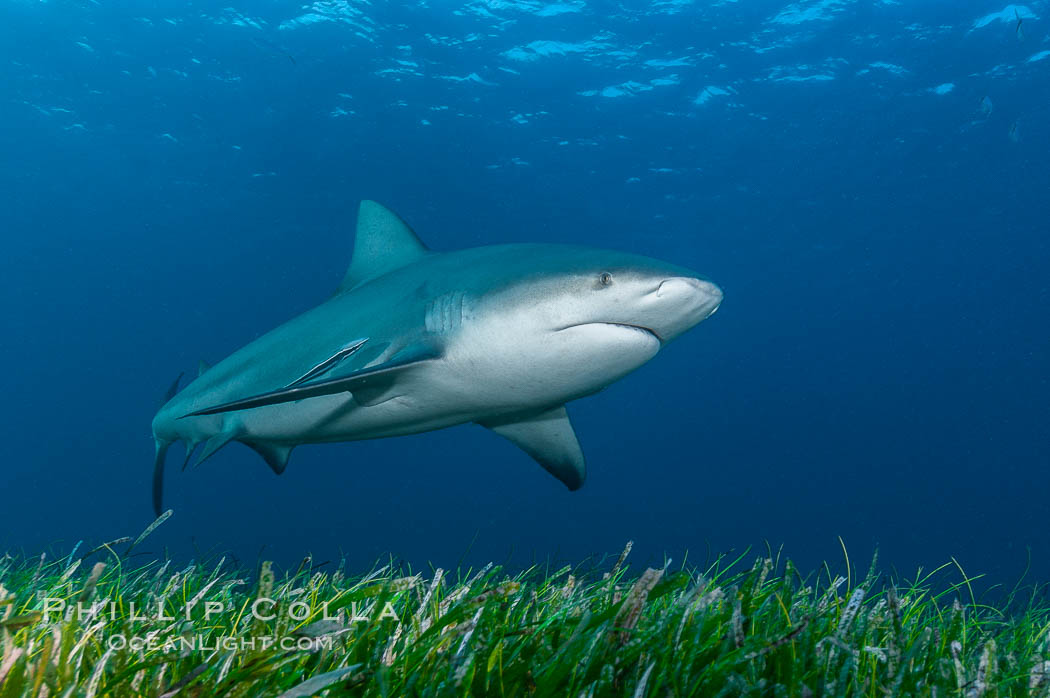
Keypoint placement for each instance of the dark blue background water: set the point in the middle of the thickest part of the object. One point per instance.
(178, 180)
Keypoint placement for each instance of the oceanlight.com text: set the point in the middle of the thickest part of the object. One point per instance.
(202, 643)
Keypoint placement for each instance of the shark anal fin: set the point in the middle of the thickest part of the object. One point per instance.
(191, 446)
(383, 242)
(366, 380)
(158, 474)
(549, 438)
(275, 455)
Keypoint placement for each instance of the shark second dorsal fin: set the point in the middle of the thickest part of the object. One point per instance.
(383, 242)
(549, 438)
(173, 389)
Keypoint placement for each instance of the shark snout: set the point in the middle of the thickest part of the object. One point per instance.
(704, 293)
(684, 301)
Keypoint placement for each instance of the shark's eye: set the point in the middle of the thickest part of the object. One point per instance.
(605, 278)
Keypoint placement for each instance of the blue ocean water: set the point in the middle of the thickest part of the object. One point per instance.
(867, 181)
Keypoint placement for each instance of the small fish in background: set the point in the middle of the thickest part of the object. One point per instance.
(985, 107)
(1019, 31)
(1013, 133)
(272, 48)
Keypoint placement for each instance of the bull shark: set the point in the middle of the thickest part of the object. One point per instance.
(415, 340)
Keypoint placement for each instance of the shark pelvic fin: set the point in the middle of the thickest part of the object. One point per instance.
(214, 444)
(383, 242)
(549, 438)
(367, 380)
(275, 455)
(158, 473)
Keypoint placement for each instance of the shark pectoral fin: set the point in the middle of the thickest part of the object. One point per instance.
(365, 380)
(549, 438)
(158, 474)
(275, 455)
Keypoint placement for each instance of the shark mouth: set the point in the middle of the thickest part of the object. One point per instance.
(637, 328)
(623, 325)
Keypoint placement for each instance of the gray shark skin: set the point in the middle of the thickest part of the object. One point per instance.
(415, 340)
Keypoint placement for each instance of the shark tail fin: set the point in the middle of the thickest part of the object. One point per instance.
(161, 451)
(158, 474)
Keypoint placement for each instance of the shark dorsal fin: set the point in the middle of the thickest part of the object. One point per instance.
(383, 242)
